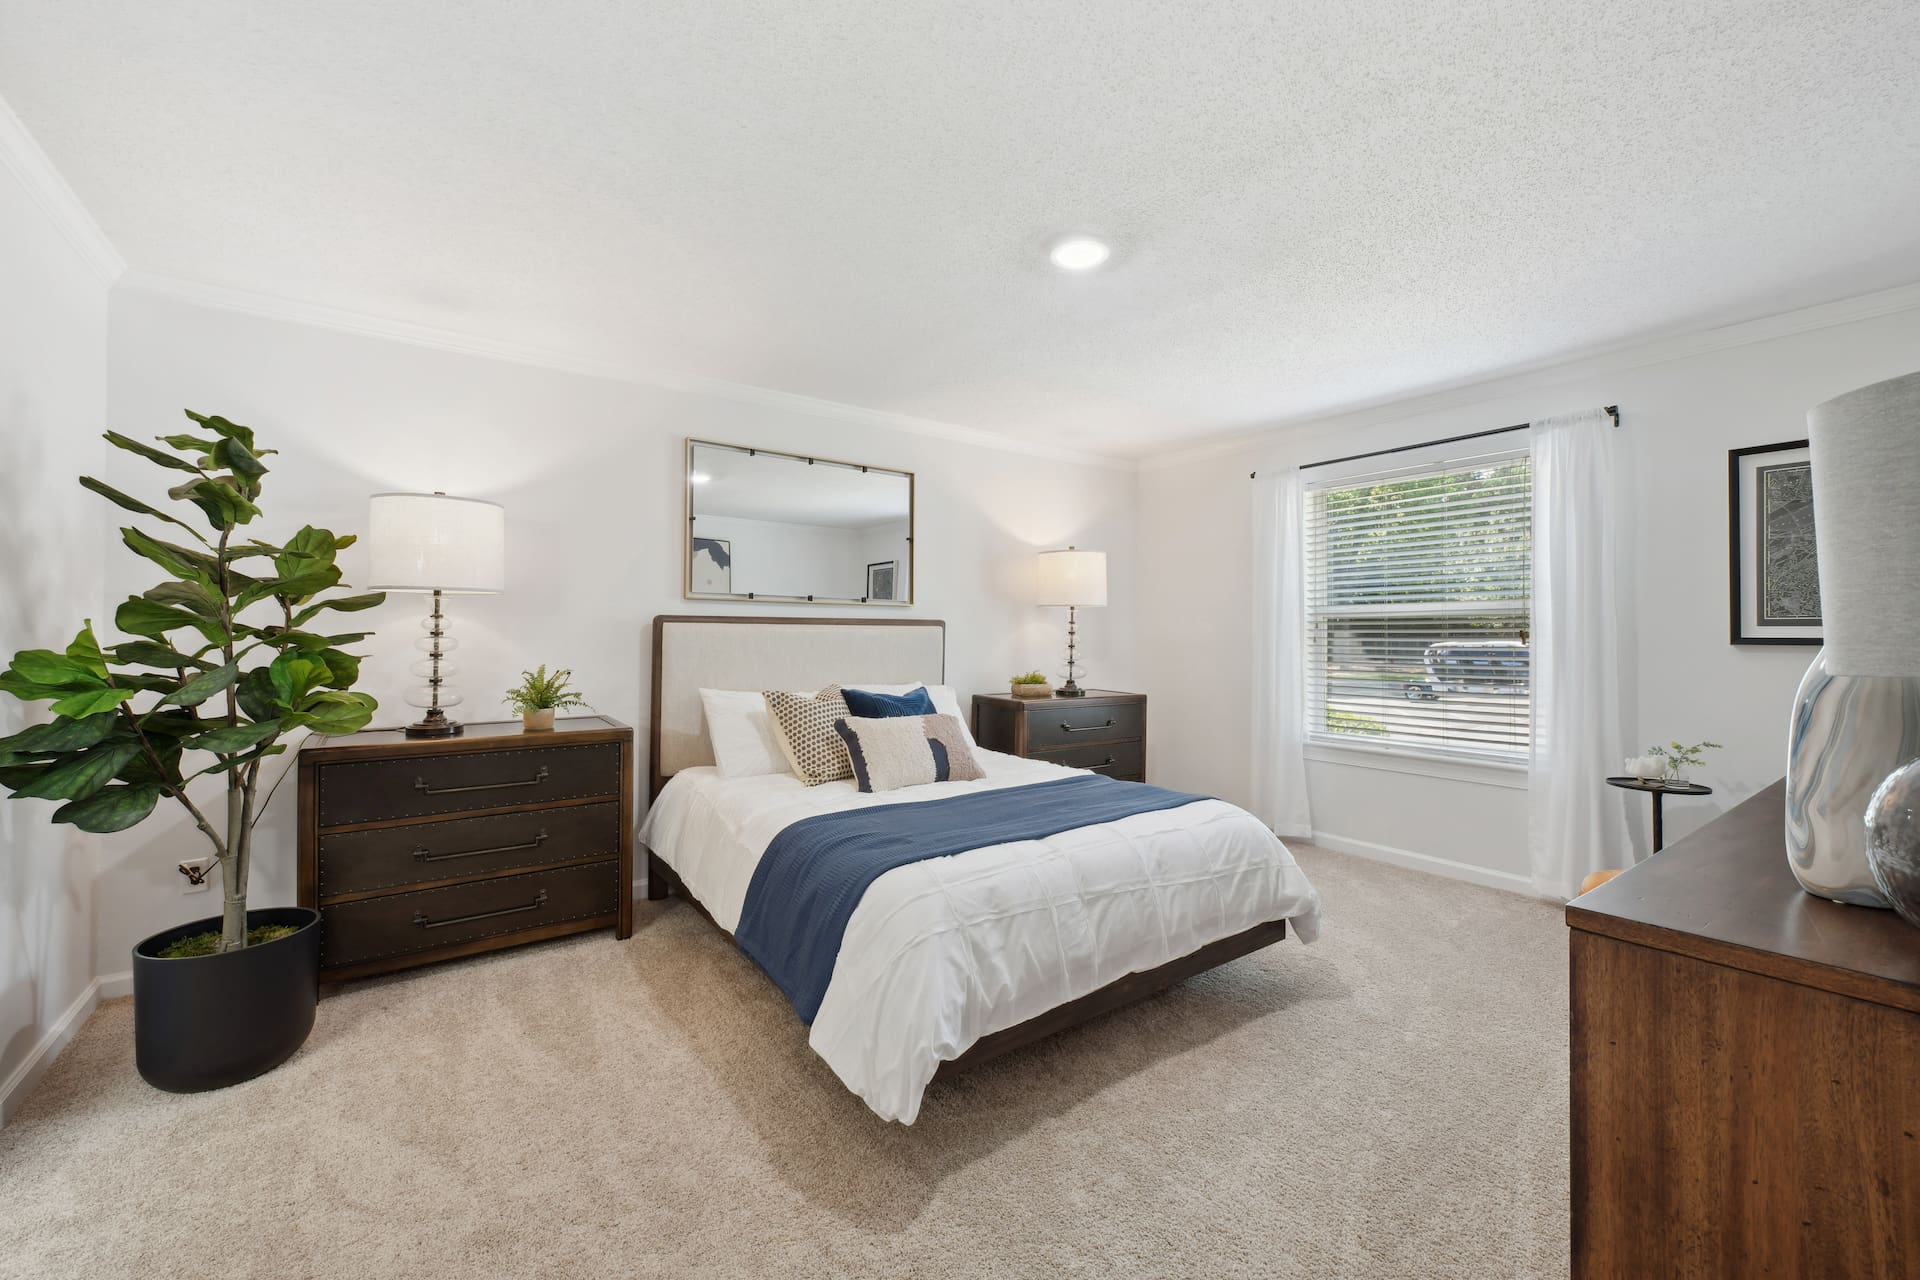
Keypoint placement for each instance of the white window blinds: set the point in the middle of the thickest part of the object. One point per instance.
(1417, 586)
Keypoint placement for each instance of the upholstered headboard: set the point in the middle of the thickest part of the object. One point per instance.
(744, 652)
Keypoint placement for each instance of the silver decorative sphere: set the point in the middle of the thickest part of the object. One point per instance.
(1893, 840)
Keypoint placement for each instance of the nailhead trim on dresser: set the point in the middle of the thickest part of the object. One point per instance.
(386, 819)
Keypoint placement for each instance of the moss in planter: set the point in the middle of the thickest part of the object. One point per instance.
(206, 944)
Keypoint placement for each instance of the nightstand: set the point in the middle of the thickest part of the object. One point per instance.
(1104, 731)
(422, 849)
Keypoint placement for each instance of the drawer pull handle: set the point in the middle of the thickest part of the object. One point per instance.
(420, 785)
(1084, 728)
(421, 853)
(420, 917)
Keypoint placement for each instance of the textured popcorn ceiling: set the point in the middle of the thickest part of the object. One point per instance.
(1311, 205)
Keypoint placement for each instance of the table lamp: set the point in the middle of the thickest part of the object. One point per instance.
(425, 542)
(1078, 580)
(1856, 717)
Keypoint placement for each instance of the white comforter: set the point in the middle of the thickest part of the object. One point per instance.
(942, 952)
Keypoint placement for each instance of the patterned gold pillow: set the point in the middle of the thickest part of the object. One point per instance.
(804, 728)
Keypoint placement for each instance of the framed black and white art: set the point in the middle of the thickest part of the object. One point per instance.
(1774, 567)
(880, 579)
(710, 567)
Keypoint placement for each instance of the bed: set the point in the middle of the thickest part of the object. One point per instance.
(950, 961)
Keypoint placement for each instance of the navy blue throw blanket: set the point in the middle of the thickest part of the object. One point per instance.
(815, 871)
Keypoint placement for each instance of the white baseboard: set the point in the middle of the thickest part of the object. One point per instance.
(115, 985)
(1512, 882)
(28, 1073)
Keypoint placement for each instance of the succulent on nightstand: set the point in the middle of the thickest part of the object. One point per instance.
(1031, 685)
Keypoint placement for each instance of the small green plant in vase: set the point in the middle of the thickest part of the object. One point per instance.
(1031, 685)
(1680, 759)
(539, 695)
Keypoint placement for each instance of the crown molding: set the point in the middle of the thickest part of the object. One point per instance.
(273, 307)
(21, 156)
(1614, 358)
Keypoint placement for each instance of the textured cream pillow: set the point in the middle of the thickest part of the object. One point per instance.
(804, 728)
(907, 751)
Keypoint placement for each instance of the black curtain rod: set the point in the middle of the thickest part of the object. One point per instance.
(1612, 410)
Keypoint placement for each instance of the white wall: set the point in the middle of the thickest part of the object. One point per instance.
(591, 474)
(1679, 417)
(53, 341)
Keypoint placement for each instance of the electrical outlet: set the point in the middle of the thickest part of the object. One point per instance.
(198, 874)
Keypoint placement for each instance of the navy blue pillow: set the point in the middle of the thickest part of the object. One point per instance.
(882, 706)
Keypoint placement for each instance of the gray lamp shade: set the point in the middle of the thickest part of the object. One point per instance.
(1866, 514)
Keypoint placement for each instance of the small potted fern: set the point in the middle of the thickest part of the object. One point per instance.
(1032, 685)
(539, 695)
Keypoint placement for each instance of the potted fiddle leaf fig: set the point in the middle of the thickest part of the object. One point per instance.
(223, 659)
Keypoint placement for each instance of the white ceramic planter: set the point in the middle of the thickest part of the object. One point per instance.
(1647, 768)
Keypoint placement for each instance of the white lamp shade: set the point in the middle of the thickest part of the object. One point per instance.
(431, 542)
(1073, 577)
(1866, 515)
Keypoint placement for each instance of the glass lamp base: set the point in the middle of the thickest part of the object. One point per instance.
(1848, 733)
(435, 695)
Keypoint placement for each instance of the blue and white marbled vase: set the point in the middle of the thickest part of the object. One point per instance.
(1848, 733)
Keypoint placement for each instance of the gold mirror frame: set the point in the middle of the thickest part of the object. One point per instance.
(686, 542)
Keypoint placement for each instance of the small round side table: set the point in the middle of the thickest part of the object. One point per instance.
(1658, 790)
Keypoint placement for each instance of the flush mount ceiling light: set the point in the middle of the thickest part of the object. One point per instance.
(1078, 253)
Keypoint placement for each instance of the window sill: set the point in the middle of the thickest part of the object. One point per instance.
(1486, 773)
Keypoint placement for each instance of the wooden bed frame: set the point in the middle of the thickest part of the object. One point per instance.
(1123, 991)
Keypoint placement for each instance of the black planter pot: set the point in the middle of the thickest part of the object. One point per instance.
(210, 1021)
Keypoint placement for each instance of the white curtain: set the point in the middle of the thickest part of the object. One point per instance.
(1279, 690)
(1576, 823)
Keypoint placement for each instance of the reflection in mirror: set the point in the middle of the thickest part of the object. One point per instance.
(776, 526)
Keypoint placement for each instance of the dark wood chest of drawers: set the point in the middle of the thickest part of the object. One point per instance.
(418, 850)
(1104, 731)
(1743, 1063)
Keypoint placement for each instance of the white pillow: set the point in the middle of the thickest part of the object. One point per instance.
(742, 734)
(945, 701)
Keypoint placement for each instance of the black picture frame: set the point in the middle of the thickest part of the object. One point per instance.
(889, 576)
(1738, 630)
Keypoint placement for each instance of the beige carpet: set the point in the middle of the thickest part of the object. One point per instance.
(1387, 1103)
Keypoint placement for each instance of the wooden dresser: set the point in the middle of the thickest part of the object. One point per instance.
(1744, 1068)
(1104, 731)
(417, 850)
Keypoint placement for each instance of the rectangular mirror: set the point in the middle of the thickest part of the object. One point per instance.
(764, 525)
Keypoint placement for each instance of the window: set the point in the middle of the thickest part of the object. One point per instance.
(1418, 584)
